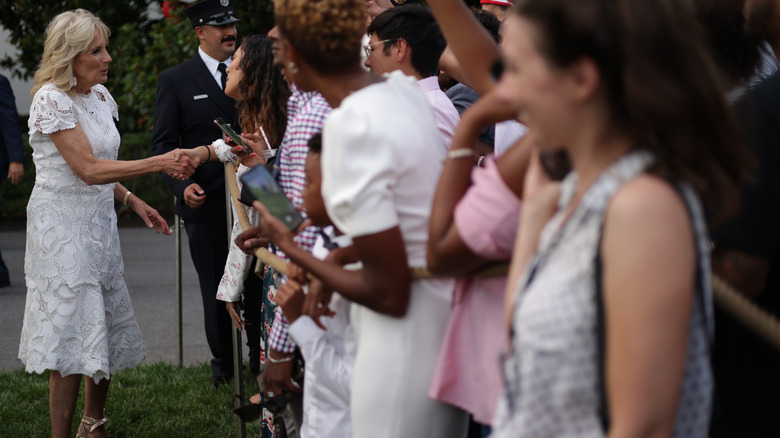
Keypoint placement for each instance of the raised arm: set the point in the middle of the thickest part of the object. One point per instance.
(472, 45)
(447, 253)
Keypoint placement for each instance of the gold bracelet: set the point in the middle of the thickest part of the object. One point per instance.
(127, 195)
(460, 153)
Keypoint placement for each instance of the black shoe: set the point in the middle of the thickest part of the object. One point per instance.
(218, 381)
(5, 282)
(249, 412)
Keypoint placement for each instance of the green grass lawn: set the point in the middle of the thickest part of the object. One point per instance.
(149, 401)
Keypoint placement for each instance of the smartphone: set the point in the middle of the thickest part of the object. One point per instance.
(225, 127)
(262, 187)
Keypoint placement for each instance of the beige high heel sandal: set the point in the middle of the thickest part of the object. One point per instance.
(89, 421)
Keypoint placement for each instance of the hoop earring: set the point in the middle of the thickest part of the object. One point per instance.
(292, 67)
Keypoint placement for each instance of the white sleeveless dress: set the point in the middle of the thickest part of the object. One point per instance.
(551, 372)
(78, 317)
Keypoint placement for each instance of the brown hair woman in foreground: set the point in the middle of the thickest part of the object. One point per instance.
(628, 90)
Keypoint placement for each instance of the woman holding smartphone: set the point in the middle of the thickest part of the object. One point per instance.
(381, 157)
(260, 92)
(609, 302)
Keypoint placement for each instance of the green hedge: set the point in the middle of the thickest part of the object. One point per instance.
(150, 188)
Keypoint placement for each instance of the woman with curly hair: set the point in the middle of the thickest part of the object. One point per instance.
(381, 157)
(261, 98)
(262, 93)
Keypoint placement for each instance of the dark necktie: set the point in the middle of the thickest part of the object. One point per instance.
(223, 70)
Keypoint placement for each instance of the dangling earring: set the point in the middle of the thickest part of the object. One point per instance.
(74, 81)
(292, 67)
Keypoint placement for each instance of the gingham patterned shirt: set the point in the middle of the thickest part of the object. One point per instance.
(306, 113)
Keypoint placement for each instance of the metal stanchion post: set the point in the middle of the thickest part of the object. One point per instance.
(177, 257)
(238, 359)
(238, 375)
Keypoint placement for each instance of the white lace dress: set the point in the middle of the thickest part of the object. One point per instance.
(78, 318)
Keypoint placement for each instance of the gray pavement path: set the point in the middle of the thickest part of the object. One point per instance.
(149, 273)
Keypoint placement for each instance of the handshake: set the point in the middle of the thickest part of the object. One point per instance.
(178, 163)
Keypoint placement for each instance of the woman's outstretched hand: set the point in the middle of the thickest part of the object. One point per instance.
(193, 153)
(180, 163)
(150, 216)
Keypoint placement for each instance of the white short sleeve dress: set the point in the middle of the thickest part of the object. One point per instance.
(381, 159)
(78, 317)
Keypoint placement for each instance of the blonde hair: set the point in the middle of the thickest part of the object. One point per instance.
(69, 35)
(327, 33)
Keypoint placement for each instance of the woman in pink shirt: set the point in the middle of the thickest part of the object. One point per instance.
(473, 223)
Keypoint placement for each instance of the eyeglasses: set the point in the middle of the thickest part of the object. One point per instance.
(369, 48)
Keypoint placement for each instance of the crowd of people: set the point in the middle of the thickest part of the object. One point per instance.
(512, 215)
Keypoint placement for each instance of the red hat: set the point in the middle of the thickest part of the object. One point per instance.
(495, 2)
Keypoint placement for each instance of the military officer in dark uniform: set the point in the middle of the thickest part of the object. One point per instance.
(189, 97)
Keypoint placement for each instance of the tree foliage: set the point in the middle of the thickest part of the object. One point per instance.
(165, 43)
(136, 66)
(140, 48)
(26, 20)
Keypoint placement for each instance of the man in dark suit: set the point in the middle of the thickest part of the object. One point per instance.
(189, 97)
(11, 150)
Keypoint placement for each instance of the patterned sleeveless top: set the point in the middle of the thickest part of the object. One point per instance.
(551, 375)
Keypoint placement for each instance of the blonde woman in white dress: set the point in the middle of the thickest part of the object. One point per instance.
(78, 317)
